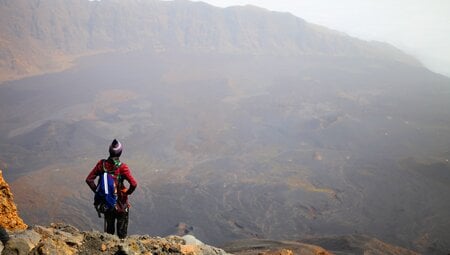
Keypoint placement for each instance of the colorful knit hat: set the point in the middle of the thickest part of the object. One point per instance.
(115, 149)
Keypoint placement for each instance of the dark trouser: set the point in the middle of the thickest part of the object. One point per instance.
(122, 223)
(4, 237)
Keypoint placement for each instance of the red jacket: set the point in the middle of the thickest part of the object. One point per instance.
(125, 174)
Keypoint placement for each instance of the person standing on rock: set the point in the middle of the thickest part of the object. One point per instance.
(119, 172)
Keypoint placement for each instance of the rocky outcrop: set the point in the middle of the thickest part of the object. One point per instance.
(66, 239)
(9, 216)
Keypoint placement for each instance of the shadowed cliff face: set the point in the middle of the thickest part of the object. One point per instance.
(9, 217)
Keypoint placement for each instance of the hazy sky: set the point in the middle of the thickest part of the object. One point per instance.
(419, 27)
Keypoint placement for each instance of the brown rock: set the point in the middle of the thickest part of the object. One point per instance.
(103, 248)
(9, 217)
(189, 249)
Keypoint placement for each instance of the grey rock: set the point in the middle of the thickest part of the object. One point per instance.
(22, 242)
(17, 246)
(46, 247)
(65, 227)
(209, 250)
(191, 240)
(204, 249)
(43, 231)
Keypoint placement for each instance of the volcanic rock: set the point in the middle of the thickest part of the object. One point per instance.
(9, 216)
(65, 239)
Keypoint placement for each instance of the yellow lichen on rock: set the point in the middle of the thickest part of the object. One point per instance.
(9, 217)
(189, 249)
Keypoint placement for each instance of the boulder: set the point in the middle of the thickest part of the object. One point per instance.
(21, 242)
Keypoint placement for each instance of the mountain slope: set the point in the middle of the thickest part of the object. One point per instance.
(42, 36)
(65, 239)
(241, 147)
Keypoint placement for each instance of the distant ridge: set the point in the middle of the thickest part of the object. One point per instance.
(45, 36)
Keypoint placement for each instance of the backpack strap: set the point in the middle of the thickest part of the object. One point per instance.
(116, 165)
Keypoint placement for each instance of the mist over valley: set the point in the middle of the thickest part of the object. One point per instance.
(237, 123)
